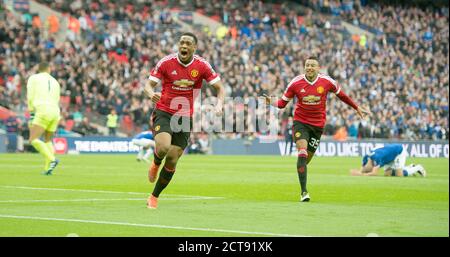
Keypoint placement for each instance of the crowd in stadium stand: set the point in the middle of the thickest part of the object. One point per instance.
(399, 69)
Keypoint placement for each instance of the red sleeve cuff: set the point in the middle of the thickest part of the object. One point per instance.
(281, 103)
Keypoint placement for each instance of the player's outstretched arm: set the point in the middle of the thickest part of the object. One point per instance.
(279, 104)
(362, 112)
(363, 172)
(149, 91)
(374, 171)
(359, 109)
(356, 172)
(221, 96)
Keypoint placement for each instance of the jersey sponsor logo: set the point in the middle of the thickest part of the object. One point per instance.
(194, 73)
(311, 100)
(183, 84)
(320, 90)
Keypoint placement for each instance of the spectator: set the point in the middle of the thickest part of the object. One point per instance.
(353, 130)
(194, 146)
(53, 24)
(111, 123)
(204, 143)
(85, 128)
(288, 138)
(12, 124)
(77, 116)
(396, 83)
(36, 22)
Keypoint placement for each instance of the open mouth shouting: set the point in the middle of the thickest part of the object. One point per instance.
(184, 53)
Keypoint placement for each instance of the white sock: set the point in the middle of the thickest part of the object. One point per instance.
(141, 153)
(149, 152)
(411, 170)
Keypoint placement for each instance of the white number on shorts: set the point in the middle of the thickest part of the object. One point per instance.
(314, 143)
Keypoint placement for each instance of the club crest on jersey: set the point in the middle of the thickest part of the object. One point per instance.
(320, 90)
(298, 134)
(157, 128)
(194, 73)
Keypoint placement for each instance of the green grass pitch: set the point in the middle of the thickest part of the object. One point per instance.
(224, 196)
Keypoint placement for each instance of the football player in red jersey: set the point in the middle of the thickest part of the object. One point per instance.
(181, 76)
(311, 90)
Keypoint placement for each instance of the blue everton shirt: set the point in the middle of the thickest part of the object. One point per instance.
(144, 134)
(383, 155)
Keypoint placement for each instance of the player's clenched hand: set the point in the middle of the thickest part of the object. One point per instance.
(155, 97)
(30, 121)
(268, 99)
(363, 111)
(148, 91)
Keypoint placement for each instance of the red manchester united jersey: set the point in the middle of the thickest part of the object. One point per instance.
(312, 98)
(179, 81)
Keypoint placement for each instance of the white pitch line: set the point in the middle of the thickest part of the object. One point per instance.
(72, 200)
(73, 190)
(150, 226)
(106, 192)
(93, 199)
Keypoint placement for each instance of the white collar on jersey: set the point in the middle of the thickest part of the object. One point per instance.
(185, 65)
(312, 83)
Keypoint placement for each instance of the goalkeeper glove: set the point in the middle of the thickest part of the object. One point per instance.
(30, 121)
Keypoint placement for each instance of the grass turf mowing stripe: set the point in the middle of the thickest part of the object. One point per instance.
(108, 192)
(94, 200)
(149, 225)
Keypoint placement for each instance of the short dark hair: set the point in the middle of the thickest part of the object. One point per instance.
(189, 34)
(43, 66)
(312, 58)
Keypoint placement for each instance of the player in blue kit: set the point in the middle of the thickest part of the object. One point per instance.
(392, 158)
(146, 143)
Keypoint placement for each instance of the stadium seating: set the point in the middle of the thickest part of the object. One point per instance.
(271, 41)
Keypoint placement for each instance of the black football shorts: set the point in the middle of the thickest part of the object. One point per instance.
(308, 132)
(179, 127)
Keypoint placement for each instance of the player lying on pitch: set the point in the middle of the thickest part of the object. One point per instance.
(392, 158)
